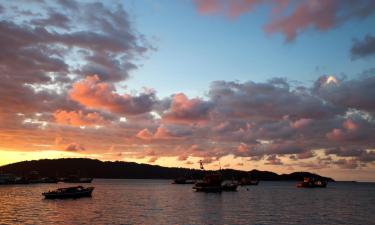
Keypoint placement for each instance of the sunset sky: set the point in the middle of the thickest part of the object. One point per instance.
(280, 85)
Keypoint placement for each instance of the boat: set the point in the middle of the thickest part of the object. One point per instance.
(210, 183)
(248, 181)
(69, 192)
(311, 182)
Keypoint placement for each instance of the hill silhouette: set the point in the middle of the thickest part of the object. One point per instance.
(130, 170)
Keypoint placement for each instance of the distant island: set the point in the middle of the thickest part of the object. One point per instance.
(129, 170)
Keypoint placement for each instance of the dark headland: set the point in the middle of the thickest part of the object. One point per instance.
(130, 170)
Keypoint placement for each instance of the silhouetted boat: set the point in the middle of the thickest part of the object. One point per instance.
(210, 183)
(248, 181)
(311, 182)
(213, 183)
(69, 192)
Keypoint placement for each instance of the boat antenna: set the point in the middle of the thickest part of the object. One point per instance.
(201, 164)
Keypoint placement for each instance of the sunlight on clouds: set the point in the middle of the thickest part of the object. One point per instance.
(7, 157)
(331, 79)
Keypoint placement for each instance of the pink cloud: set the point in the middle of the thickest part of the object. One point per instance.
(301, 123)
(93, 93)
(74, 118)
(144, 134)
(349, 132)
(184, 110)
(293, 17)
(73, 147)
(161, 133)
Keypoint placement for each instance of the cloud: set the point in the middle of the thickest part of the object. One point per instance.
(153, 159)
(355, 93)
(273, 160)
(93, 93)
(79, 118)
(301, 123)
(363, 48)
(73, 147)
(145, 134)
(294, 17)
(267, 100)
(63, 64)
(350, 132)
(47, 50)
(162, 133)
(346, 163)
(184, 110)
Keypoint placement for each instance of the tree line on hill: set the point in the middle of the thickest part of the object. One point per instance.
(129, 170)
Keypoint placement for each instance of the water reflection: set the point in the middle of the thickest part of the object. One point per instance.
(159, 202)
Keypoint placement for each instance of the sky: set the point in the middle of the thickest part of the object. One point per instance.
(245, 84)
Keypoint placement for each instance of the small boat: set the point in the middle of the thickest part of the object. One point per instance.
(311, 182)
(69, 192)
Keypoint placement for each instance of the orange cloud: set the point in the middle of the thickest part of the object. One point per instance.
(144, 134)
(73, 147)
(79, 118)
(93, 93)
(161, 133)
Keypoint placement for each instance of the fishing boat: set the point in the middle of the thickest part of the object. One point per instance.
(210, 183)
(311, 182)
(69, 192)
(213, 182)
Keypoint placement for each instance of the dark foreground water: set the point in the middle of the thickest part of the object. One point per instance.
(159, 202)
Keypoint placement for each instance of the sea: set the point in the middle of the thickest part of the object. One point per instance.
(160, 202)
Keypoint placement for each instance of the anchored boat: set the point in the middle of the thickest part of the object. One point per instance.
(213, 183)
(311, 182)
(69, 192)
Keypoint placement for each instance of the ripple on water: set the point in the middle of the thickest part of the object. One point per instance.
(159, 202)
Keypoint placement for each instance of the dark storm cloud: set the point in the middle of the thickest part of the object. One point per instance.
(363, 48)
(268, 100)
(356, 93)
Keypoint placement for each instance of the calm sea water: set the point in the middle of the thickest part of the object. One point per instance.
(160, 202)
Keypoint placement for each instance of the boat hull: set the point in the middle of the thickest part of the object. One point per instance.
(84, 193)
